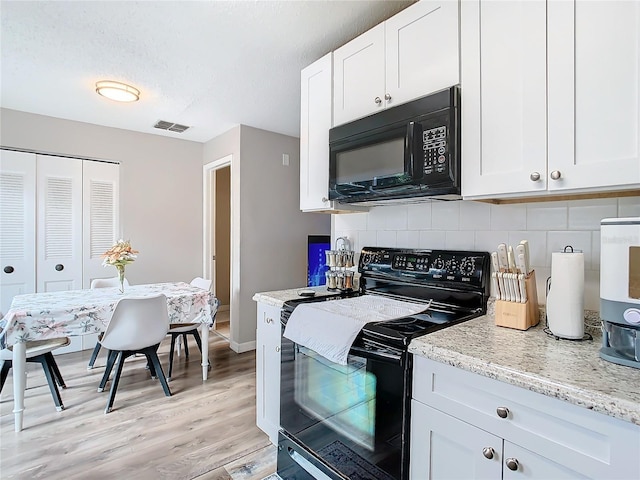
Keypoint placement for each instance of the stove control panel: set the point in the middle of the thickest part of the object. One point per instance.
(434, 266)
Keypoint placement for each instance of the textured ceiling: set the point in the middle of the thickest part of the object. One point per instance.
(207, 64)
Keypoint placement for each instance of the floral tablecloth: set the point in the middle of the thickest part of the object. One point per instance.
(38, 316)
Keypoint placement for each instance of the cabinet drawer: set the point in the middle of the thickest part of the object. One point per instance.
(593, 444)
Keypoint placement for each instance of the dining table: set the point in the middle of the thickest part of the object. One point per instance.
(45, 315)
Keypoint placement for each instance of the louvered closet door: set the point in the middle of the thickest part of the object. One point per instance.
(100, 202)
(59, 246)
(17, 225)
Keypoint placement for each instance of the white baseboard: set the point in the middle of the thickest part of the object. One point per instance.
(242, 347)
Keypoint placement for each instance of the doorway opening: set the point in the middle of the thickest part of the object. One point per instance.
(217, 238)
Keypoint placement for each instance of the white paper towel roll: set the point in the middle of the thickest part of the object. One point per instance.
(565, 300)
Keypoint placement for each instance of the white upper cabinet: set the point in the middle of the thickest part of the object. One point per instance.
(550, 97)
(315, 122)
(17, 225)
(594, 106)
(503, 59)
(412, 54)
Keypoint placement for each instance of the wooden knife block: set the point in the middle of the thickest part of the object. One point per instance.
(520, 316)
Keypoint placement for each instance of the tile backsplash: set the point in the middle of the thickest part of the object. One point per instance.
(467, 225)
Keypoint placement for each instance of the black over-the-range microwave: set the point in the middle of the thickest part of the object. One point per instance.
(411, 150)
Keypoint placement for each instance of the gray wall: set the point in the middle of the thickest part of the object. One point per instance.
(160, 187)
(269, 233)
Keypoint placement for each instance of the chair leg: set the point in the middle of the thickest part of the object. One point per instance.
(111, 358)
(153, 353)
(150, 366)
(115, 381)
(48, 372)
(95, 352)
(171, 350)
(54, 368)
(4, 371)
(186, 345)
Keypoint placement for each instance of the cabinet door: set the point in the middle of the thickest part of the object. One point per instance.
(503, 58)
(594, 93)
(422, 56)
(17, 225)
(443, 447)
(521, 463)
(315, 122)
(100, 217)
(59, 251)
(268, 371)
(359, 76)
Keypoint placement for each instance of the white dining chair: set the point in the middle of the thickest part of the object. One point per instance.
(181, 330)
(138, 325)
(37, 351)
(102, 283)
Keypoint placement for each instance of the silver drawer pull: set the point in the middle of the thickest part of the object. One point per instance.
(488, 452)
(512, 464)
(503, 412)
(269, 320)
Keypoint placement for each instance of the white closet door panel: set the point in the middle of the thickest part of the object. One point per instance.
(421, 50)
(594, 106)
(17, 225)
(100, 217)
(59, 247)
(503, 97)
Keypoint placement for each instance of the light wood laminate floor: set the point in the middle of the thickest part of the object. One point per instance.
(205, 430)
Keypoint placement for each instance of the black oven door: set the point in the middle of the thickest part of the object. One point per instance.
(346, 421)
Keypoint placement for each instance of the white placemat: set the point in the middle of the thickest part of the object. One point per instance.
(330, 328)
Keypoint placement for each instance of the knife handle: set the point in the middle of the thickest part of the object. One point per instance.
(503, 261)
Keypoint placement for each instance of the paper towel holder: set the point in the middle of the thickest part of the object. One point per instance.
(547, 330)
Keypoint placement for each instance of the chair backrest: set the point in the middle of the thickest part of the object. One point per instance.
(107, 282)
(136, 323)
(202, 283)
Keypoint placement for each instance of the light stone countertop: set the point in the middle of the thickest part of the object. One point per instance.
(565, 369)
(278, 297)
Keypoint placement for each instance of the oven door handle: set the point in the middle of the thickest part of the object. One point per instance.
(387, 355)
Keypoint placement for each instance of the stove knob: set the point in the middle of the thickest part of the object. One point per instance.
(438, 264)
(468, 266)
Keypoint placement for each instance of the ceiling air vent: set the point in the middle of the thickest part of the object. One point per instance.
(172, 127)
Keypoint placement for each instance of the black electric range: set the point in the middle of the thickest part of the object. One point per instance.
(353, 421)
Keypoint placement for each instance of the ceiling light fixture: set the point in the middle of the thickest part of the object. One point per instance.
(120, 92)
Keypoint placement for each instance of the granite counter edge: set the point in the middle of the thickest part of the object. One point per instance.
(595, 401)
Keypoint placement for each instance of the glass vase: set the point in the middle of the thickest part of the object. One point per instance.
(121, 277)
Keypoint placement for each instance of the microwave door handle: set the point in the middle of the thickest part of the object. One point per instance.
(412, 152)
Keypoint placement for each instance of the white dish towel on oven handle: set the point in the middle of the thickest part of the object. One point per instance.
(330, 328)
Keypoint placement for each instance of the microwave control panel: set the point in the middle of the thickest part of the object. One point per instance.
(434, 146)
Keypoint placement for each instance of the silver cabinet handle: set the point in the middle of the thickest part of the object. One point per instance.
(324, 199)
(269, 320)
(387, 96)
(502, 412)
(277, 349)
(378, 100)
(555, 175)
(512, 463)
(488, 452)
(535, 176)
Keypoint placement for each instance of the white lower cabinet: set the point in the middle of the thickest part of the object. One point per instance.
(268, 370)
(464, 425)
